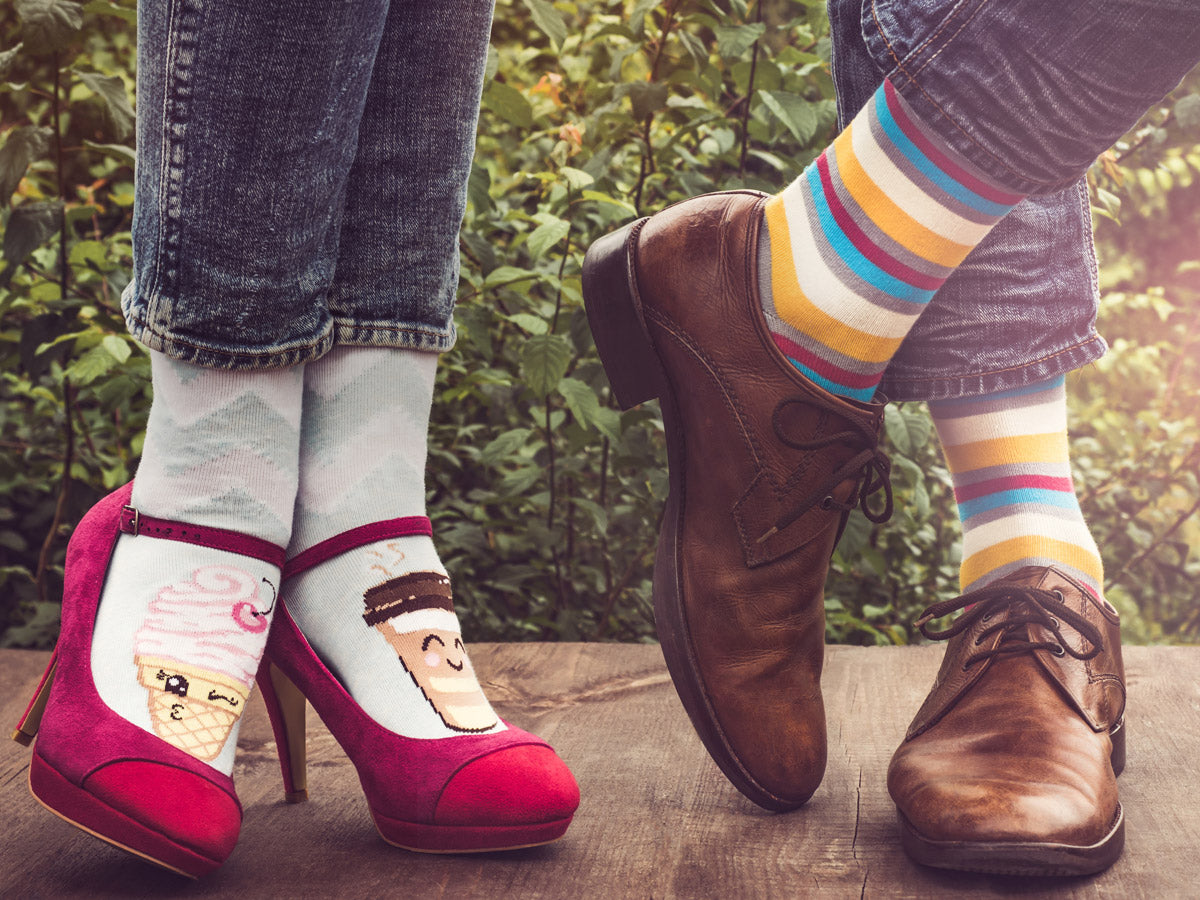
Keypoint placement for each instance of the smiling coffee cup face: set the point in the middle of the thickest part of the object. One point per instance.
(415, 614)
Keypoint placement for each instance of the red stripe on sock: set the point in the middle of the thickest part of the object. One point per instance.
(865, 245)
(940, 159)
(1012, 483)
(823, 367)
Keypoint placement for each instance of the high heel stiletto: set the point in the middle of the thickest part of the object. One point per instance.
(92, 767)
(467, 793)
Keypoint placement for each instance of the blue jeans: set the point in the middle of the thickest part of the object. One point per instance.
(1032, 91)
(301, 174)
(1022, 307)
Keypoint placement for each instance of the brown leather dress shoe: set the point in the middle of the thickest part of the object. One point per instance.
(764, 467)
(1011, 764)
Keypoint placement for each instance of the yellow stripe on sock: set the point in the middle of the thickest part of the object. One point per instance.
(1008, 450)
(1031, 546)
(797, 310)
(890, 218)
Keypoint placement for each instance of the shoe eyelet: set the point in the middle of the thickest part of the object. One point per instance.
(1059, 594)
(827, 503)
(986, 617)
(1053, 622)
(1059, 650)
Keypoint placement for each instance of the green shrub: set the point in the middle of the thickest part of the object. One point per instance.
(545, 498)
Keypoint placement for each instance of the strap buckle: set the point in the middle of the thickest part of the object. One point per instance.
(131, 520)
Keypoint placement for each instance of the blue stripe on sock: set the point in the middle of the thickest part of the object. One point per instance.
(1036, 388)
(864, 394)
(929, 168)
(850, 255)
(1038, 496)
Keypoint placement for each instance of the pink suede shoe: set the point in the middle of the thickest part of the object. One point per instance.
(469, 793)
(93, 768)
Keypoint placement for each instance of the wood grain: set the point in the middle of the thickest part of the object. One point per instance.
(658, 819)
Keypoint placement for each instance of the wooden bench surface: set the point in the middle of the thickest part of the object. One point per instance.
(658, 819)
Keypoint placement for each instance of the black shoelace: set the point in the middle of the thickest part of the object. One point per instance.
(1025, 606)
(870, 466)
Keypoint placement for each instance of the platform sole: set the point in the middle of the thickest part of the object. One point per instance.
(448, 839)
(76, 806)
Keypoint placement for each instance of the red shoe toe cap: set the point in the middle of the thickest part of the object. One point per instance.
(520, 785)
(183, 807)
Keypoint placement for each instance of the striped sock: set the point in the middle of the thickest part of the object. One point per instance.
(1012, 480)
(860, 242)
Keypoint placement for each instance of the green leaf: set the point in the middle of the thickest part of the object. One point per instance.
(111, 89)
(89, 253)
(117, 347)
(120, 151)
(504, 446)
(508, 103)
(24, 146)
(576, 179)
(908, 429)
(48, 25)
(544, 361)
(734, 40)
(549, 19)
(581, 400)
(1187, 111)
(93, 364)
(546, 236)
(647, 97)
(799, 115)
(530, 323)
(479, 186)
(504, 275)
(856, 535)
(605, 198)
(637, 17)
(107, 8)
(29, 225)
(6, 60)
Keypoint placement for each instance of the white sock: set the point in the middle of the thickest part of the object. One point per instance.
(181, 628)
(379, 616)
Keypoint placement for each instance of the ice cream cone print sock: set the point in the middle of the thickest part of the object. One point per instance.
(380, 616)
(181, 627)
(1007, 453)
(857, 246)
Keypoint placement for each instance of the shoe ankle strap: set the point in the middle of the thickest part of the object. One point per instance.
(408, 526)
(138, 524)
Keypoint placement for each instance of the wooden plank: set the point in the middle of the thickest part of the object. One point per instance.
(658, 819)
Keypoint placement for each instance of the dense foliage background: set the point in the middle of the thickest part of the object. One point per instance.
(545, 498)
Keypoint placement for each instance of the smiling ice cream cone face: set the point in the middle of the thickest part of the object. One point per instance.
(415, 614)
(192, 709)
(197, 652)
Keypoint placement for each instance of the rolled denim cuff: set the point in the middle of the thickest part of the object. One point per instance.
(1022, 307)
(1032, 91)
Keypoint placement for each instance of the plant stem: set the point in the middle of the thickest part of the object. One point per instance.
(749, 94)
(60, 173)
(60, 507)
(646, 167)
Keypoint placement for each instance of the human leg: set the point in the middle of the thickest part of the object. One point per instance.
(364, 584)
(171, 582)
(808, 457)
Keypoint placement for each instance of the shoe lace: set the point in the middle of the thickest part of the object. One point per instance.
(870, 466)
(1026, 606)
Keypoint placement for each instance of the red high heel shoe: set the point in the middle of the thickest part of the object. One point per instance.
(468, 793)
(93, 768)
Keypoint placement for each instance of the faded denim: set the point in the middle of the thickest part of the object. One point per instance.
(1021, 308)
(1031, 91)
(301, 175)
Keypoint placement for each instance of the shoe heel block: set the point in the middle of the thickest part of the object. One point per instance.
(615, 317)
